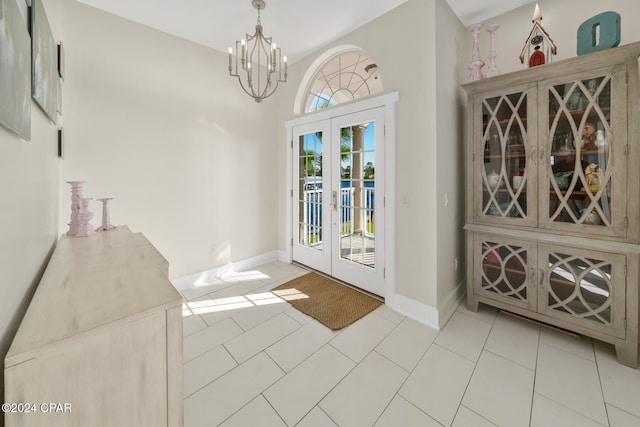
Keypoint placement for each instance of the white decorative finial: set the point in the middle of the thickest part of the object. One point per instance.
(493, 68)
(536, 14)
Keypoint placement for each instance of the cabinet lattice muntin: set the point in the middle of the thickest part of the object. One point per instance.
(505, 141)
(504, 271)
(577, 286)
(580, 160)
(575, 164)
(580, 286)
(552, 180)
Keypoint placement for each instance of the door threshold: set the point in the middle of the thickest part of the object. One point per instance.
(341, 282)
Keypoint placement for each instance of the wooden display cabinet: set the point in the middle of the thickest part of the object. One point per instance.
(553, 179)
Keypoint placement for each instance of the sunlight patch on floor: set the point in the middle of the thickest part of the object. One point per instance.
(230, 277)
(230, 303)
(244, 276)
(290, 294)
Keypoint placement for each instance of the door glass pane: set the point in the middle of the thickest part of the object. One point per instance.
(357, 193)
(503, 270)
(579, 175)
(504, 176)
(580, 286)
(310, 191)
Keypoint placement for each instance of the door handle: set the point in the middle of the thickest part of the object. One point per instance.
(532, 275)
(533, 155)
(334, 200)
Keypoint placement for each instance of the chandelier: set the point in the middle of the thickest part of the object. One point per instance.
(258, 62)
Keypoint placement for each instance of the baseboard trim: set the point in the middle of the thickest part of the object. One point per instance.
(451, 303)
(423, 313)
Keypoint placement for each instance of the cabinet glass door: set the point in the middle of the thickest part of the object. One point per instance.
(585, 167)
(583, 287)
(502, 273)
(504, 176)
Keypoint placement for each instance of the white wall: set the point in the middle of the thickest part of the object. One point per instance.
(29, 175)
(452, 42)
(157, 123)
(387, 41)
(561, 20)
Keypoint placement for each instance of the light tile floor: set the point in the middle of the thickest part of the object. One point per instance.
(253, 360)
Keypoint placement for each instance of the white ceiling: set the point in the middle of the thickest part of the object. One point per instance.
(298, 26)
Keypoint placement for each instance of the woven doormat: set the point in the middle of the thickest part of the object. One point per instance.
(334, 305)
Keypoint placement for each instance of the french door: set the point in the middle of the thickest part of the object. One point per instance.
(339, 194)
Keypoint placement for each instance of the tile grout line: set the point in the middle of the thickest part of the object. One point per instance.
(475, 366)
(481, 416)
(273, 343)
(317, 404)
(216, 378)
(574, 410)
(284, 374)
(323, 411)
(393, 362)
(269, 403)
(373, 349)
(535, 375)
(395, 326)
(622, 410)
(604, 401)
(309, 356)
(259, 394)
(397, 393)
(328, 343)
(286, 336)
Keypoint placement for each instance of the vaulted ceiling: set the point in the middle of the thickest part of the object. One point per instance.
(299, 26)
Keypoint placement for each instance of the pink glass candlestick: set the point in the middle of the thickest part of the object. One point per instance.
(476, 64)
(493, 69)
(106, 225)
(76, 197)
(85, 228)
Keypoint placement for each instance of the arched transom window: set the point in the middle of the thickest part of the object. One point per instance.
(342, 78)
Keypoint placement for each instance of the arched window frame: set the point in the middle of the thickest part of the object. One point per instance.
(305, 96)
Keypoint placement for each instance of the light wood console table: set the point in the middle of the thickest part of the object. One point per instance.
(101, 341)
